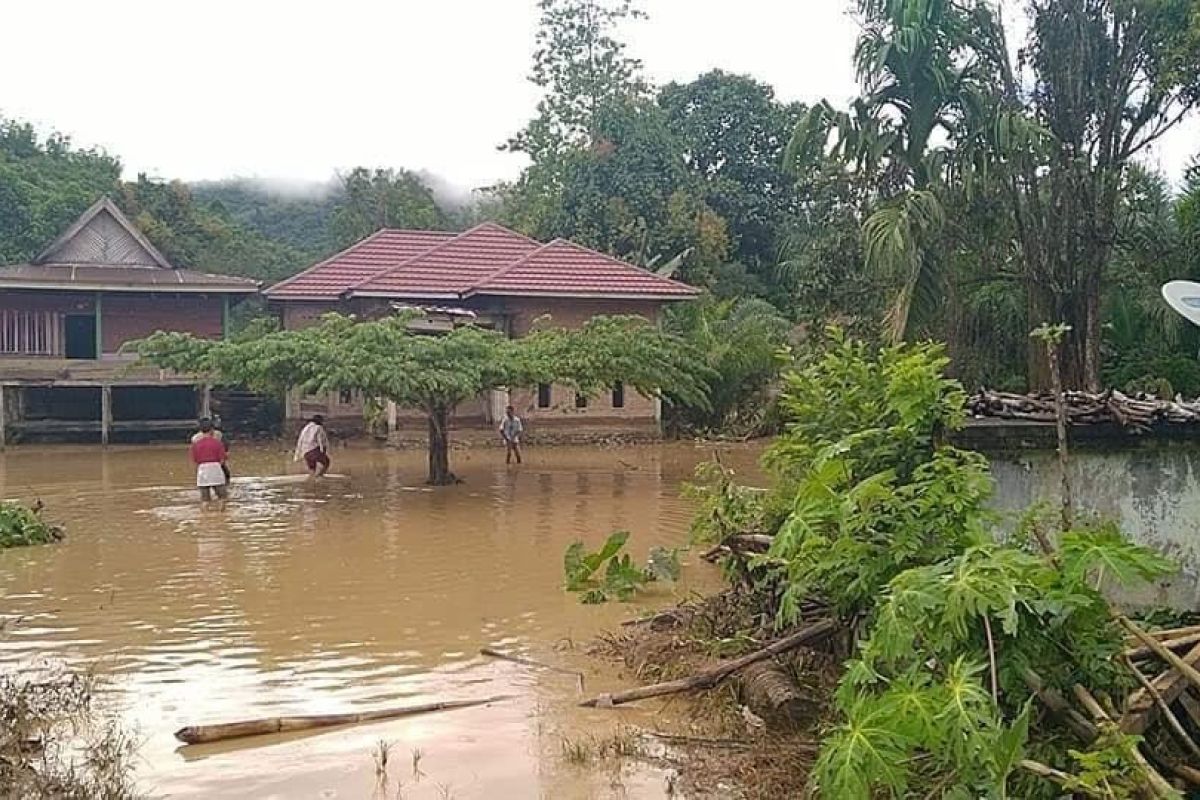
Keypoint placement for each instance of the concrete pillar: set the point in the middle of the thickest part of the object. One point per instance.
(3, 418)
(105, 413)
(498, 400)
(206, 401)
(392, 417)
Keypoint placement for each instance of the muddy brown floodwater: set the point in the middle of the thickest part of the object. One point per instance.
(353, 593)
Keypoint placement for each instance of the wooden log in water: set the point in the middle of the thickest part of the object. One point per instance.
(714, 675)
(202, 734)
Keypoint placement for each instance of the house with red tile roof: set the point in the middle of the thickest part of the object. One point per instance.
(66, 315)
(492, 276)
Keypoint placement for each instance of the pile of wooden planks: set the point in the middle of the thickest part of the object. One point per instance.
(1170, 697)
(1137, 414)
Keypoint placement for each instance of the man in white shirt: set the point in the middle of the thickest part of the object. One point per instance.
(511, 429)
(313, 446)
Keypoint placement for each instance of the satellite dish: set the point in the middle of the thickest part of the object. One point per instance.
(1184, 297)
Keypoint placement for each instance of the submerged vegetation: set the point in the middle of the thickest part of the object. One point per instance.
(55, 744)
(21, 526)
(608, 573)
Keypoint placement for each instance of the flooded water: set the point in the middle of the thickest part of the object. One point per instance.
(353, 593)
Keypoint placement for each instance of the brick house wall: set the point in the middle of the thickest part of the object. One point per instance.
(124, 318)
(61, 302)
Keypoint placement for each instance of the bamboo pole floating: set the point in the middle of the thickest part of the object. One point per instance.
(203, 734)
(711, 677)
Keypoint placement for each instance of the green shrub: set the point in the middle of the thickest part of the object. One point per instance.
(20, 526)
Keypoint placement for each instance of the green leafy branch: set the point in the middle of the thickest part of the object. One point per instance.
(607, 573)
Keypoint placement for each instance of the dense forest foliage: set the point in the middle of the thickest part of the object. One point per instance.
(966, 195)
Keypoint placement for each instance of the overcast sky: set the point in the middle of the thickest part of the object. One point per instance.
(297, 90)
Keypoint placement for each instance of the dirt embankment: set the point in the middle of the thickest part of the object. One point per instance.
(754, 735)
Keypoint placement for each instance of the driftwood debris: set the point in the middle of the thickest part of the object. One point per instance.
(1176, 726)
(1084, 408)
(1154, 779)
(714, 675)
(202, 734)
(769, 691)
(740, 544)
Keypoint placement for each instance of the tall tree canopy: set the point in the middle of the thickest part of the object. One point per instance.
(1103, 80)
(45, 184)
(384, 359)
(953, 132)
(733, 133)
(582, 66)
(382, 198)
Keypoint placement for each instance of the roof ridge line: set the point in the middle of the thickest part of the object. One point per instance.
(496, 273)
(349, 290)
(325, 261)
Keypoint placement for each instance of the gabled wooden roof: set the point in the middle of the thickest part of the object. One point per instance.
(104, 251)
(103, 236)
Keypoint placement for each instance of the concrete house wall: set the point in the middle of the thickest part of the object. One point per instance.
(638, 416)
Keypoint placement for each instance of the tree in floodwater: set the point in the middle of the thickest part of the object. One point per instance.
(385, 359)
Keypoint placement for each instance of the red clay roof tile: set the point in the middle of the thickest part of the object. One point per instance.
(488, 259)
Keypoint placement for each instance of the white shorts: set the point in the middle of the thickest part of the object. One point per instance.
(210, 474)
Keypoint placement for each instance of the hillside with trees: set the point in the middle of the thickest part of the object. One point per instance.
(965, 195)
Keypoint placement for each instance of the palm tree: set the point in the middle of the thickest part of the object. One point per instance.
(918, 74)
(741, 339)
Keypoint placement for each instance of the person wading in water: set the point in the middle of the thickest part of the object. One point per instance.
(511, 429)
(313, 446)
(208, 454)
(214, 430)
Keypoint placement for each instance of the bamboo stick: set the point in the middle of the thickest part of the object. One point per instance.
(1169, 685)
(1183, 666)
(529, 662)
(1175, 643)
(1156, 782)
(200, 734)
(1057, 704)
(1172, 720)
(711, 677)
(1059, 777)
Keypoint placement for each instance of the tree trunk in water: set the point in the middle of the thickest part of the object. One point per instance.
(439, 447)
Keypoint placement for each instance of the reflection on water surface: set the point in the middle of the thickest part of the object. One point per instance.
(351, 593)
